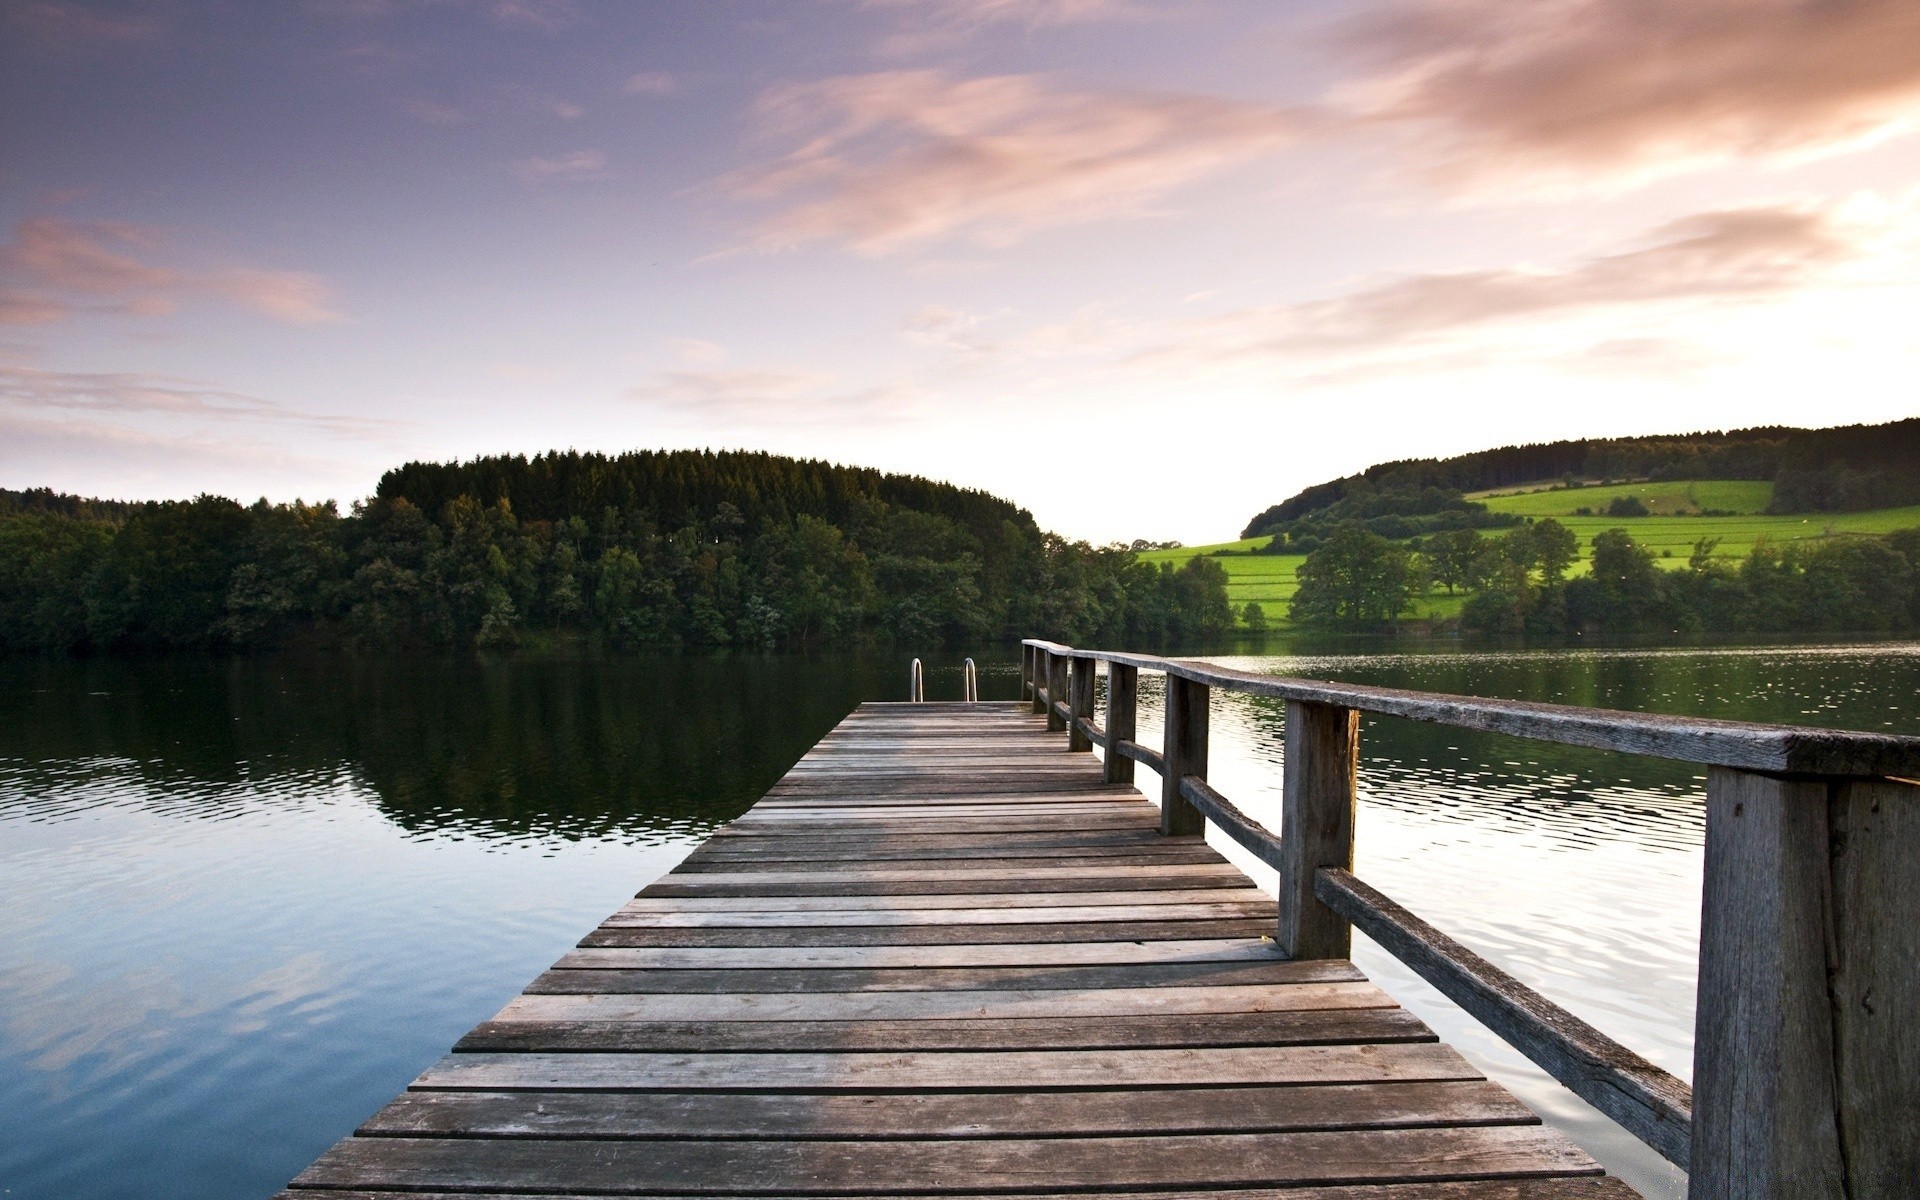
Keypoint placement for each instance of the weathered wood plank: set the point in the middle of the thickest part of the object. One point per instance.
(947, 1166)
(580, 980)
(956, 1070)
(957, 1005)
(708, 958)
(947, 916)
(1305, 1027)
(906, 902)
(786, 1116)
(931, 935)
(1553, 1188)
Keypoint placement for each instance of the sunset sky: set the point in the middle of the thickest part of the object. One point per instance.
(1142, 267)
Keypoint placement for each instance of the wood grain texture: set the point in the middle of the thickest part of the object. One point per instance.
(947, 1166)
(1555, 1188)
(1123, 691)
(1185, 754)
(1320, 793)
(946, 954)
(1763, 1118)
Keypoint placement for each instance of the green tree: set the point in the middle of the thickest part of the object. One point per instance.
(1357, 580)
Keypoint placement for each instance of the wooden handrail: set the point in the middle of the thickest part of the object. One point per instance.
(1648, 1102)
(1708, 741)
(1807, 1034)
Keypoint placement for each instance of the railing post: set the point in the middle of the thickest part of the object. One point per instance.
(1056, 690)
(1080, 701)
(1040, 658)
(1806, 1036)
(1316, 825)
(1185, 749)
(1123, 689)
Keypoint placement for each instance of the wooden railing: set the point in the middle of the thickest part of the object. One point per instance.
(1807, 1032)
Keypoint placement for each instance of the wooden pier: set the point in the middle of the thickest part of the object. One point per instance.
(953, 953)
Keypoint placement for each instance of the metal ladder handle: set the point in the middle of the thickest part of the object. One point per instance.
(916, 684)
(972, 680)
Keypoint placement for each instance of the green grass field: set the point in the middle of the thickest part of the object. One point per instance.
(1269, 579)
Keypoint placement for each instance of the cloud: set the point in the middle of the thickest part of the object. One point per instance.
(1396, 325)
(29, 389)
(1742, 253)
(772, 396)
(942, 328)
(651, 83)
(1633, 88)
(575, 167)
(291, 296)
(930, 24)
(26, 308)
(55, 266)
(897, 159)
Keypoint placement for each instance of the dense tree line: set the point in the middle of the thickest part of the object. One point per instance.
(668, 550)
(1845, 469)
(1518, 584)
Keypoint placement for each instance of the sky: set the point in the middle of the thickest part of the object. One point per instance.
(1144, 268)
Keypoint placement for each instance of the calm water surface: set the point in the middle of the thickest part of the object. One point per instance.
(243, 903)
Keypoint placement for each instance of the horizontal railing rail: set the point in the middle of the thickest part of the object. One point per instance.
(1807, 1031)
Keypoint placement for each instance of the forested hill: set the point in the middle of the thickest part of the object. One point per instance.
(678, 486)
(680, 549)
(1847, 469)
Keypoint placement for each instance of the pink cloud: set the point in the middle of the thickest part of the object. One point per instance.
(572, 167)
(54, 266)
(1734, 255)
(1633, 87)
(902, 158)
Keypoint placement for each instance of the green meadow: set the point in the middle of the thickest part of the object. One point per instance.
(1677, 524)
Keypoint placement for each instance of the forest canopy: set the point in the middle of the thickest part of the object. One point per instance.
(664, 550)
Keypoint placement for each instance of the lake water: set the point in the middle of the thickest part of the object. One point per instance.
(243, 903)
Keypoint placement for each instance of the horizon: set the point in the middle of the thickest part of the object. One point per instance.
(1054, 250)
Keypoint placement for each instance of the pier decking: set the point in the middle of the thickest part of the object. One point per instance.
(943, 956)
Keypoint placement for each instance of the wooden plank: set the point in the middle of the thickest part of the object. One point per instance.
(906, 902)
(947, 1166)
(1552, 1188)
(708, 958)
(787, 1116)
(773, 885)
(958, 1005)
(946, 916)
(930, 935)
(580, 980)
(1305, 1027)
(955, 1070)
